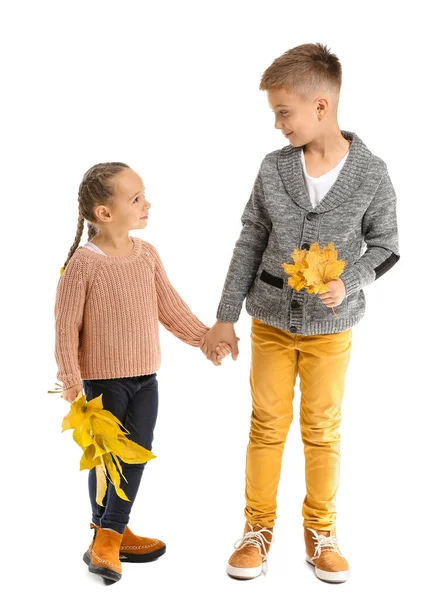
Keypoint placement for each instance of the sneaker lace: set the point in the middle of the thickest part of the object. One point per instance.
(259, 541)
(323, 541)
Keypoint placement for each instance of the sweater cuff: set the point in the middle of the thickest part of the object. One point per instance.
(351, 280)
(196, 339)
(70, 382)
(228, 312)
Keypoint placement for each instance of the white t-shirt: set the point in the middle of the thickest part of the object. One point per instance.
(91, 246)
(318, 186)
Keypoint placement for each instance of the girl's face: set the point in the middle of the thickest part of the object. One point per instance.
(129, 209)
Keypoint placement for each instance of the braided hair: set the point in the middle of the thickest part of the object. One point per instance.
(96, 188)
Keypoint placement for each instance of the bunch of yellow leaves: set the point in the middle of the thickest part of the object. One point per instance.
(314, 268)
(99, 434)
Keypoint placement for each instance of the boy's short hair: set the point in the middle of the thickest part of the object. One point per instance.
(304, 70)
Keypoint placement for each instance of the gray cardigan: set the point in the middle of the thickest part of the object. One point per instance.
(358, 214)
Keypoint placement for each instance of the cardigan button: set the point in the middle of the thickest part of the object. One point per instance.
(311, 216)
(294, 304)
(305, 246)
(293, 329)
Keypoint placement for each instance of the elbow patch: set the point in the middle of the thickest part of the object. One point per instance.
(386, 265)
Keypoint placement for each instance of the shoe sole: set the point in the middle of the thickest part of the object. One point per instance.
(329, 576)
(244, 573)
(108, 575)
(142, 558)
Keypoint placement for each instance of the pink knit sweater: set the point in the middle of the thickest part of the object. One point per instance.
(107, 311)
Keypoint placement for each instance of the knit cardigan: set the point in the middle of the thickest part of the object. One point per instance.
(107, 311)
(357, 214)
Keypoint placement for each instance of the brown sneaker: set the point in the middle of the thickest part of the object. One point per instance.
(323, 552)
(251, 553)
(102, 556)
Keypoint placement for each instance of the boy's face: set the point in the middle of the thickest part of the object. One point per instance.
(297, 117)
(129, 207)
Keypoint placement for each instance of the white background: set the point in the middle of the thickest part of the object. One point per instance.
(172, 90)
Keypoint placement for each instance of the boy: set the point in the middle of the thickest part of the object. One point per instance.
(325, 186)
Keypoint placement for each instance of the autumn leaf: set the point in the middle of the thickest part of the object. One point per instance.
(104, 443)
(323, 266)
(314, 268)
(101, 482)
(297, 280)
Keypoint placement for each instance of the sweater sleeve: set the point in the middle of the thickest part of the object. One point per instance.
(380, 233)
(247, 254)
(174, 314)
(68, 313)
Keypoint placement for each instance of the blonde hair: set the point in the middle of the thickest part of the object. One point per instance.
(305, 70)
(97, 187)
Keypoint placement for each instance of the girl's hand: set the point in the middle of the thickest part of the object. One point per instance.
(222, 350)
(71, 393)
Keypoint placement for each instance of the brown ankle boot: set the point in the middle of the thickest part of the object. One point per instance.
(251, 552)
(103, 554)
(135, 548)
(323, 552)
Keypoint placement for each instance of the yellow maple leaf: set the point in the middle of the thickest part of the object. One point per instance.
(101, 482)
(297, 280)
(99, 433)
(314, 268)
(323, 266)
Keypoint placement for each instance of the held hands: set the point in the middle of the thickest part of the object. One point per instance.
(336, 293)
(220, 341)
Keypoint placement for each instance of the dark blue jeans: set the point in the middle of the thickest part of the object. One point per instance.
(134, 401)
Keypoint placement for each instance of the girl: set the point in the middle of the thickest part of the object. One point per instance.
(109, 299)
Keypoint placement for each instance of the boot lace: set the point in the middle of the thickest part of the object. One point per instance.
(323, 541)
(259, 541)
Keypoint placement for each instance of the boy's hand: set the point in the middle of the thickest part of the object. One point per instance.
(336, 293)
(221, 332)
(71, 393)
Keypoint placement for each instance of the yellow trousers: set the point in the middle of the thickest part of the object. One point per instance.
(321, 362)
